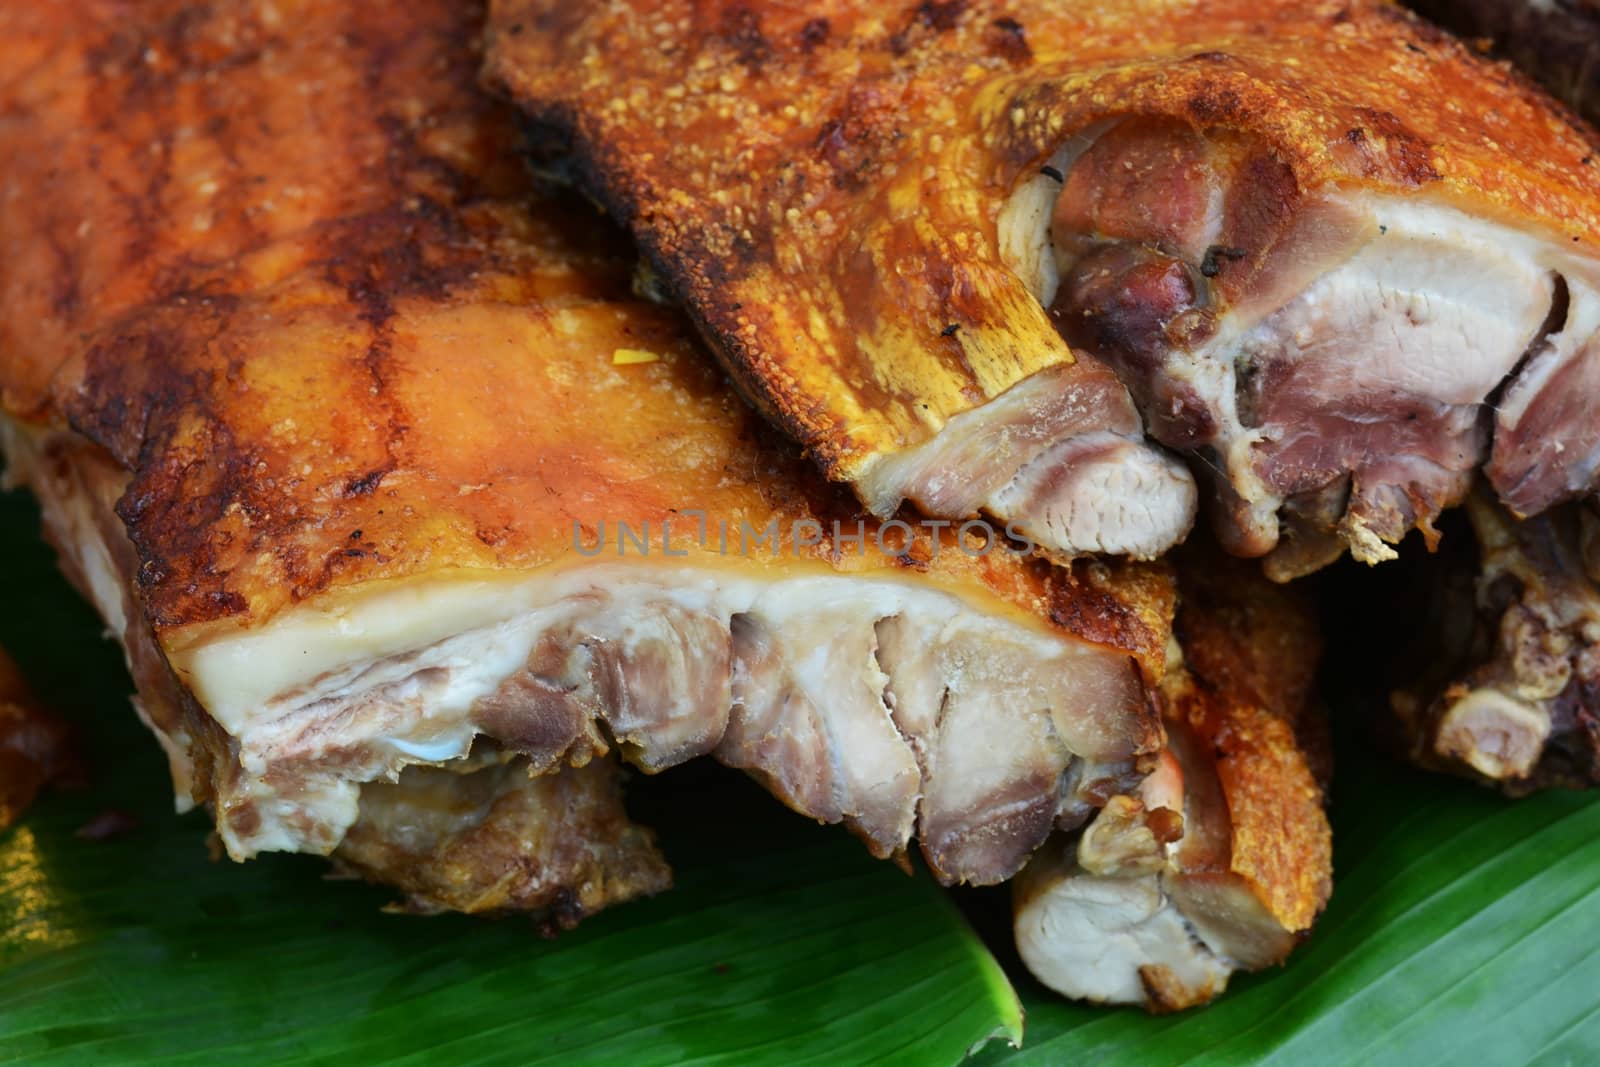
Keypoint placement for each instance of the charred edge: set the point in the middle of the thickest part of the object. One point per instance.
(565, 912)
(1007, 39)
(939, 16)
(814, 34)
(366, 483)
(1080, 608)
(1210, 265)
(1410, 157)
(1216, 106)
(740, 30)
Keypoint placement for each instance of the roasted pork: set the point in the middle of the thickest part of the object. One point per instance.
(361, 445)
(1339, 259)
(1225, 858)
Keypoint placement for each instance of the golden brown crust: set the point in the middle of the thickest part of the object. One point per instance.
(1246, 702)
(368, 358)
(821, 186)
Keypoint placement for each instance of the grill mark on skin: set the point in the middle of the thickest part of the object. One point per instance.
(138, 405)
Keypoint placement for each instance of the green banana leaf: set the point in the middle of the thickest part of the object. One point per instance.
(1464, 928)
(784, 942)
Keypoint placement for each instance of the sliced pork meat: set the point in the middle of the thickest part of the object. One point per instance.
(36, 748)
(1513, 698)
(383, 471)
(1059, 458)
(1339, 259)
(1555, 42)
(1340, 349)
(1224, 859)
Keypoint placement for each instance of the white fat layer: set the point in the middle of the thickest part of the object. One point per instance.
(481, 631)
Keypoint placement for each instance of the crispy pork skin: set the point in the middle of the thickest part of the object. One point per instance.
(35, 747)
(363, 446)
(1339, 259)
(1555, 42)
(1224, 859)
(1514, 696)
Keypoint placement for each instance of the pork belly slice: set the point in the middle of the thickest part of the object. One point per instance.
(1554, 42)
(897, 707)
(387, 467)
(1339, 259)
(36, 747)
(1224, 859)
(1514, 697)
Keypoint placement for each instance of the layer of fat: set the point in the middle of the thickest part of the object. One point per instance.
(483, 629)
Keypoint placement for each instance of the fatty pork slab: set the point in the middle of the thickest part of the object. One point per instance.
(345, 428)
